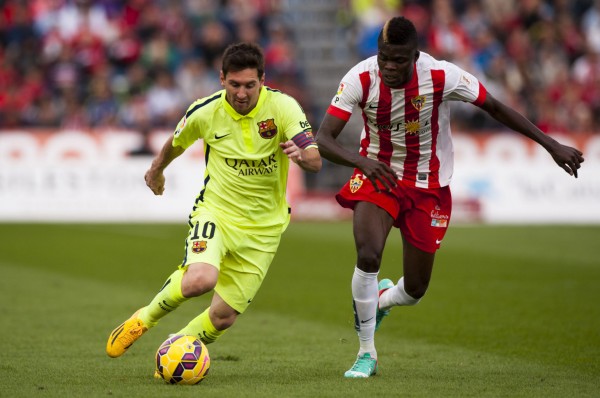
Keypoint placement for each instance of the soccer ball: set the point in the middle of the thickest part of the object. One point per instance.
(182, 360)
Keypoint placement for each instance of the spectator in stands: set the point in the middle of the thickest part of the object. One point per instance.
(521, 47)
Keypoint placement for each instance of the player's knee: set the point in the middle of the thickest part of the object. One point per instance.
(196, 284)
(415, 291)
(223, 321)
(368, 260)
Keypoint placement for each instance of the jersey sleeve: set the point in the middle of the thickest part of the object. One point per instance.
(296, 127)
(189, 129)
(349, 94)
(463, 86)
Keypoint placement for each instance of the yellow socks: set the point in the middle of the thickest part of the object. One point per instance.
(168, 298)
(202, 327)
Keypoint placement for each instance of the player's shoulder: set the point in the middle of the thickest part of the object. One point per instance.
(277, 99)
(205, 104)
(428, 62)
(367, 65)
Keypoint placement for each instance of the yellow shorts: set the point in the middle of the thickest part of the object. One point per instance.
(242, 256)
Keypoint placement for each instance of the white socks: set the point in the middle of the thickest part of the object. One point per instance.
(365, 295)
(396, 296)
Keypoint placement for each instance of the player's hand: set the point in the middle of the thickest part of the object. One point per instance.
(293, 152)
(155, 181)
(378, 172)
(568, 158)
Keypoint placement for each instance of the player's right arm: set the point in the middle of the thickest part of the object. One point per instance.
(155, 179)
(333, 151)
(187, 132)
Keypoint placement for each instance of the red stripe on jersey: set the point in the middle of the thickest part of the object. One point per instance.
(439, 81)
(365, 80)
(411, 115)
(384, 118)
(340, 113)
(481, 97)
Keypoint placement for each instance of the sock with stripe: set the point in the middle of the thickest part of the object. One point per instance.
(202, 327)
(168, 299)
(396, 296)
(365, 297)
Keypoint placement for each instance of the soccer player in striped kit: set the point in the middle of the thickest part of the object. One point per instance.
(403, 168)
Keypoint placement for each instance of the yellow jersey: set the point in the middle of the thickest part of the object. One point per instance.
(246, 170)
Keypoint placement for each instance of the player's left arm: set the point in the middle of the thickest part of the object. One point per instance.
(308, 158)
(300, 145)
(566, 157)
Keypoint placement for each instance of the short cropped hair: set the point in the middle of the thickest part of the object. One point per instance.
(242, 56)
(398, 30)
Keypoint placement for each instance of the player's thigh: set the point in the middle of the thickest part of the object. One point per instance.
(371, 227)
(207, 240)
(417, 267)
(244, 268)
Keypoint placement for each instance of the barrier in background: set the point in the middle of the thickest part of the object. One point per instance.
(90, 176)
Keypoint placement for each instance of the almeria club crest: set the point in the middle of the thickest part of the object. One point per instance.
(267, 129)
(355, 183)
(418, 102)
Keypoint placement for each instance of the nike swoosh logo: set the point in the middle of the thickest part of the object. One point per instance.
(438, 241)
(218, 137)
(371, 106)
(365, 321)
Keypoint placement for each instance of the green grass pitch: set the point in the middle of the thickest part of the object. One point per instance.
(510, 312)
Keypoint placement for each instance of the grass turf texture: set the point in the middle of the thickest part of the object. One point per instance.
(511, 311)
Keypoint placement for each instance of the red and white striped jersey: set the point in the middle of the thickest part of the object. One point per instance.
(408, 127)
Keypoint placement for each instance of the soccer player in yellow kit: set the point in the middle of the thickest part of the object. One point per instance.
(250, 132)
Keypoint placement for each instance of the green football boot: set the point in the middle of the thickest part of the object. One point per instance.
(384, 285)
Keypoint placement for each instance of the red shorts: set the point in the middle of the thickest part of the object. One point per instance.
(423, 215)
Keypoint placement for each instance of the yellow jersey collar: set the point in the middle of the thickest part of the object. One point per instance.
(236, 116)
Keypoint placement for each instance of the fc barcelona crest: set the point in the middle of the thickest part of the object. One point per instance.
(267, 129)
(418, 102)
(199, 246)
(355, 183)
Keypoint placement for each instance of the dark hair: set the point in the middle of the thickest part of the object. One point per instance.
(398, 30)
(242, 56)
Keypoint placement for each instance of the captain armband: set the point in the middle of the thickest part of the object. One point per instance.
(304, 139)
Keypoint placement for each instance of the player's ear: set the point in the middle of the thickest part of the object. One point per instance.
(222, 77)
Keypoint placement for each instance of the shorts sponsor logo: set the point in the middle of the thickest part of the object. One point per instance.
(439, 223)
(199, 246)
(355, 183)
(438, 219)
(267, 129)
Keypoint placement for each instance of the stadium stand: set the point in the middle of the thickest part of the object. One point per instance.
(136, 64)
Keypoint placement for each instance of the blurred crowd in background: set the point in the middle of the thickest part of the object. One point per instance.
(140, 63)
